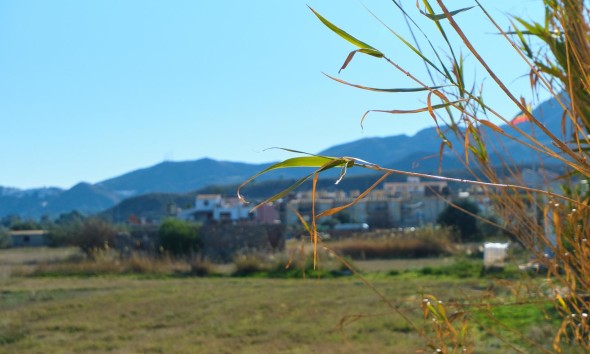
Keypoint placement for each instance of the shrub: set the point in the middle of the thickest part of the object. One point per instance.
(462, 215)
(178, 237)
(93, 235)
(271, 266)
(303, 266)
(249, 264)
(201, 267)
(462, 268)
(4, 241)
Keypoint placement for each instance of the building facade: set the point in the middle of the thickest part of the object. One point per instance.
(28, 238)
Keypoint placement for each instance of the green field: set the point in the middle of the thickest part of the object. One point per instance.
(173, 314)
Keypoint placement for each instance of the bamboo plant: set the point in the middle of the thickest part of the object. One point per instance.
(557, 53)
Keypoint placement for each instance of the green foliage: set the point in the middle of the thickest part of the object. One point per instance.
(263, 266)
(461, 269)
(9, 220)
(3, 237)
(490, 228)
(61, 236)
(65, 229)
(71, 218)
(462, 216)
(241, 315)
(12, 332)
(25, 225)
(178, 237)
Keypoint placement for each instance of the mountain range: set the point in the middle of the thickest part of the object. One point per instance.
(419, 152)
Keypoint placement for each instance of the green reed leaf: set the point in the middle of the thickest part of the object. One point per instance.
(364, 47)
(438, 17)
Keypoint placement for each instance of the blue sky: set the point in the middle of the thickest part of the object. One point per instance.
(93, 89)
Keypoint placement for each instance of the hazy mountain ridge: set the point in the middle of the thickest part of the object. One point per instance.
(419, 152)
(178, 177)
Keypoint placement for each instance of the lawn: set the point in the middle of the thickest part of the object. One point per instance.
(200, 315)
(182, 314)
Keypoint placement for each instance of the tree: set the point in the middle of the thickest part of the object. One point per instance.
(70, 218)
(462, 215)
(66, 228)
(28, 224)
(93, 234)
(4, 241)
(178, 237)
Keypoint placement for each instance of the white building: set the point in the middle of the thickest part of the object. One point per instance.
(214, 208)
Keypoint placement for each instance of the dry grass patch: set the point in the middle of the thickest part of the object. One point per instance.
(390, 244)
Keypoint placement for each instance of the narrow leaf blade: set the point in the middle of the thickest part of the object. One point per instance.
(392, 90)
(305, 161)
(367, 49)
(438, 17)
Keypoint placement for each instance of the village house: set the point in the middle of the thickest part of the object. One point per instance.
(398, 204)
(213, 208)
(28, 238)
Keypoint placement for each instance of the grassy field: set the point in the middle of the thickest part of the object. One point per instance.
(195, 315)
(168, 314)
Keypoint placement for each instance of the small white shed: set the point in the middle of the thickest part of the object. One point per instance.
(494, 254)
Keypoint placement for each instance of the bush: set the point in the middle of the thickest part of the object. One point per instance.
(269, 266)
(178, 237)
(461, 269)
(250, 264)
(201, 267)
(4, 240)
(93, 235)
(461, 217)
(302, 267)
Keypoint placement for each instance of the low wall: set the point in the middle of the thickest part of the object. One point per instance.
(222, 242)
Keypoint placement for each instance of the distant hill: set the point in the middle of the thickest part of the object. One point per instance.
(149, 206)
(178, 177)
(83, 197)
(383, 151)
(28, 203)
(421, 151)
(411, 153)
(34, 203)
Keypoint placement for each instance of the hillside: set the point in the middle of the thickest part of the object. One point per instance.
(177, 177)
(411, 153)
(149, 206)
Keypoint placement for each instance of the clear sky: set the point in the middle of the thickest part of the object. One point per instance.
(93, 89)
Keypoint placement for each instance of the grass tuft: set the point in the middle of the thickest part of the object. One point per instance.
(12, 332)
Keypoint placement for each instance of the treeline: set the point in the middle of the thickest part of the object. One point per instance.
(93, 234)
